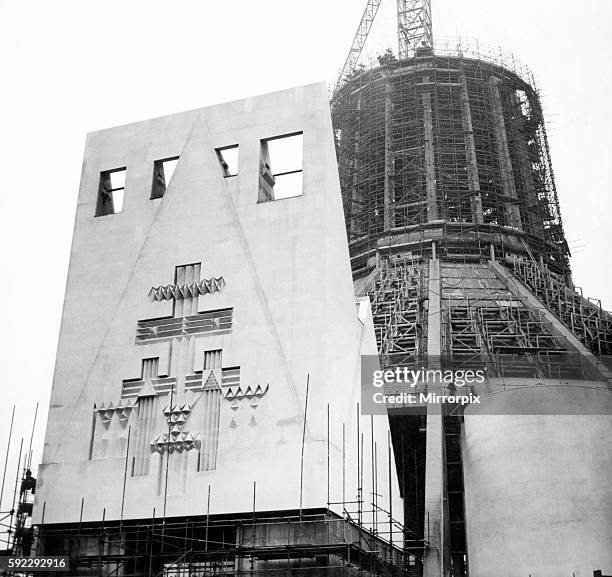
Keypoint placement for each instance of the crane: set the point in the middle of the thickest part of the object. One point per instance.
(413, 31)
(413, 26)
(360, 37)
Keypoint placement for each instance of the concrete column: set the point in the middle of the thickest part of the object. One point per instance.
(437, 553)
(505, 163)
(470, 154)
(436, 557)
(354, 196)
(430, 166)
(434, 344)
(389, 160)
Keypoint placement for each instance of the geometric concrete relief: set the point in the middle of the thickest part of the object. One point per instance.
(212, 378)
(200, 392)
(185, 290)
(187, 285)
(251, 396)
(121, 409)
(142, 437)
(210, 323)
(109, 430)
(176, 439)
(211, 413)
(236, 394)
(158, 385)
(185, 320)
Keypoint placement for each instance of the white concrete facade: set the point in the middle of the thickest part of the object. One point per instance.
(537, 481)
(284, 312)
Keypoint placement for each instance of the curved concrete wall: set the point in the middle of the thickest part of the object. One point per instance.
(538, 488)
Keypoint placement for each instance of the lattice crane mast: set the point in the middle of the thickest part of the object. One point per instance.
(413, 31)
(413, 27)
(360, 37)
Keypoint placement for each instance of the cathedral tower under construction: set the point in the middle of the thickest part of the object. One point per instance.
(456, 235)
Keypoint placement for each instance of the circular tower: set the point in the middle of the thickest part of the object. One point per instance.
(455, 233)
(446, 148)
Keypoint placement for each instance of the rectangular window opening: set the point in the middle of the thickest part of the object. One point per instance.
(111, 192)
(162, 175)
(228, 159)
(524, 104)
(280, 167)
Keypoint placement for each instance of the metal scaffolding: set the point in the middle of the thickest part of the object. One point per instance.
(313, 543)
(482, 320)
(446, 146)
(400, 318)
(583, 316)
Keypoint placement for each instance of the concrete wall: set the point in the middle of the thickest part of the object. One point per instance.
(288, 280)
(538, 489)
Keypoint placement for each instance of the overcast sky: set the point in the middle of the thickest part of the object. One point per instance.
(73, 66)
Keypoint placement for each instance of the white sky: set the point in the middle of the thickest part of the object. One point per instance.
(73, 66)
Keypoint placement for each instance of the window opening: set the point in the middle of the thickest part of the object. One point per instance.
(111, 192)
(228, 159)
(162, 175)
(280, 167)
